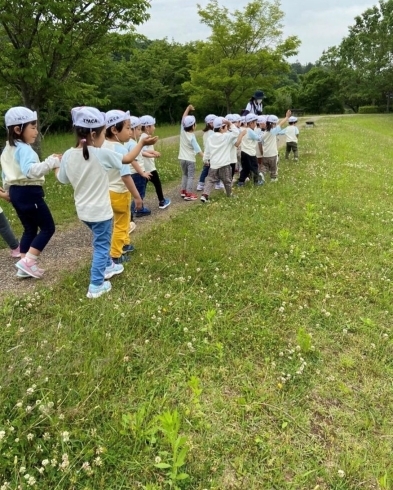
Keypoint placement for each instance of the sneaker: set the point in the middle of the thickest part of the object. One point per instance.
(204, 198)
(274, 180)
(261, 176)
(142, 212)
(121, 260)
(23, 275)
(221, 185)
(132, 227)
(15, 254)
(97, 291)
(113, 270)
(240, 184)
(164, 204)
(200, 186)
(190, 197)
(128, 248)
(183, 193)
(32, 270)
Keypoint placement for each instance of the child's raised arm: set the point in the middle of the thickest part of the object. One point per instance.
(189, 108)
(131, 155)
(287, 116)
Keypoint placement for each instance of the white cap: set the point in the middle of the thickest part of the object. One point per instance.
(261, 119)
(272, 119)
(188, 121)
(135, 122)
(236, 117)
(115, 116)
(251, 117)
(292, 119)
(19, 115)
(230, 117)
(242, 119)
(88, 117)
(218, 122)
(147, 121)
(210, 118)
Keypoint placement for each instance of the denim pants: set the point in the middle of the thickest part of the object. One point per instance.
(34, 214)
(205, 171)
(140, 183)
(6, 232)
(102, 233)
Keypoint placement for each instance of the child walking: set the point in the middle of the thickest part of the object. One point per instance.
(189, 148)
(138, 173)
(6, 232)
(85, 168)
(149, 155)
(292, 133)
(121, 185)
(218, 152)
(248, 154)
(207, 131)
(270, 150)
(23, 176)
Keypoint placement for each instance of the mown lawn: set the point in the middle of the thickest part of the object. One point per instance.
(247, 346)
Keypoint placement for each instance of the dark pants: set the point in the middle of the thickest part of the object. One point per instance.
(6, 232)
(233, 169)
(34, 214)
(140, 183)
(205, 171)
(249, 165)
(155, 180)
(291, 146)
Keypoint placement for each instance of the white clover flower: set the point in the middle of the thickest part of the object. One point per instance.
(157, 459)
(86, 466)
(65, 436)
(45, 462)
(31, 481)
(341, 473)
(46, 436)
(30, 436)
(97, 461)
(22, 470)
(2, 434)
(30, 391)
(41, 470)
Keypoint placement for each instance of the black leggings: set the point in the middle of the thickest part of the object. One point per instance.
(155, 180)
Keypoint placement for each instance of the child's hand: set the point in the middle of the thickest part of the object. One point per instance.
(4, 195)
(150, 140)
(58, 155)
(157, 154)
(191, 108)
(147, 175)
(138, 203)
(288, 114)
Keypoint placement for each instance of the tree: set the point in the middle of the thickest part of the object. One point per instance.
(46, 45)
(245, 51)
(319, 92)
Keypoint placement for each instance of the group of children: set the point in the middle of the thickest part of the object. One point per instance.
(114, 159)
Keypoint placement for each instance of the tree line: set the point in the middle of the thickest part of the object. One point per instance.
(55, 55)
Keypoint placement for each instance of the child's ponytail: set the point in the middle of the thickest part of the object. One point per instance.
(83, 134)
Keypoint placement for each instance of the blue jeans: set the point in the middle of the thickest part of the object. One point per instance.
(140, 183)
(102, 234)
(205, 171)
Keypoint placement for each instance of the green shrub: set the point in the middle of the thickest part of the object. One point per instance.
(368, 109)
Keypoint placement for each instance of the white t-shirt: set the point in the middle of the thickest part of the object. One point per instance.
(249, 141)
(291, 133)
(116, 183)
(270, 142)
(89, 179)
(129, 146)
(150, 164)
(189, 146)
(218, 148)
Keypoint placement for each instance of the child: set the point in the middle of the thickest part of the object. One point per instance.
(6, 232)
(138, 172)
(207, 131)
(270, 150)
(291, 133)
(218, 152)
(261, 127)
(23, 175)
(149, 155)
(189, 147)
(85, 168)
(234, 119)
(248, 152)
(121, 185)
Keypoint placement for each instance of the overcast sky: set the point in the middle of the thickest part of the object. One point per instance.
(318, 23)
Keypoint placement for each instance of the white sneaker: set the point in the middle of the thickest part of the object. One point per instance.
(222, 186)
(273, 180)
(200, 186)
(132, 227)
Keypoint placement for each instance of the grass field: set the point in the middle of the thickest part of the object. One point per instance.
(248, 346)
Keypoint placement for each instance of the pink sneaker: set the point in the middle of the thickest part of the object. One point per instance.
(32, 270)
(190, 197)
(15, 254)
